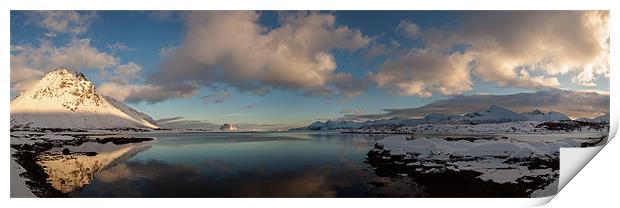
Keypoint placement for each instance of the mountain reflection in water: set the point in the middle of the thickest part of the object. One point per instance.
(250, 165)
(71, 172)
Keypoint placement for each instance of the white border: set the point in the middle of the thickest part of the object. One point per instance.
(574, 191)
(313, 5)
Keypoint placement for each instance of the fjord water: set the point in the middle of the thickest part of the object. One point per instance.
(250, 165)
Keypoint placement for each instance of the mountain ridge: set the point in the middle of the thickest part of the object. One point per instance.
(66, 99)
(493, 114)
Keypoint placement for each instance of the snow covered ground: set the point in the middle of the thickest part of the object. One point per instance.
(517, 127)
(507, 159)
(18, 184)
(524, 160)
(60, 162)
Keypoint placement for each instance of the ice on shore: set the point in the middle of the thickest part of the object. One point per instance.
(434, 147)
(501, 160)
(69, 166)
(19, 189)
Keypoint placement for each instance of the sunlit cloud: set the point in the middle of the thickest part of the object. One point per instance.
(351, 111)
(424, 71)
(216, 97)
(297, 55)
(35, 61)
(408, 28)
(60, 22)
(503, 47)
(119, 46)
(508, 46)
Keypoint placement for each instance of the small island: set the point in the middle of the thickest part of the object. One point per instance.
(228, 127)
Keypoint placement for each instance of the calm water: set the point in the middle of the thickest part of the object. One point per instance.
(250, 165)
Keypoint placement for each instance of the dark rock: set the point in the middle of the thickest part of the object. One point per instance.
(121, 140)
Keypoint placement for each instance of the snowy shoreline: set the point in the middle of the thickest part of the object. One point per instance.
(526, 165)
(44, 164)
(397, 150)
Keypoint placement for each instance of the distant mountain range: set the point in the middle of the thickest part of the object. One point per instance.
(66, 99)
(600, 119)
(494, 114)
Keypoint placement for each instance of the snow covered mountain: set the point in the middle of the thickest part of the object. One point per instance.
(600, 119)
(228, 127)
(66, 99)
(538, 115)
(317, 125)
(331, 125)
(494, 114)
(437, 117)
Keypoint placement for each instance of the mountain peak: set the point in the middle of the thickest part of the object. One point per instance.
(72, 88)
(538, 115)
(64, 71)
(537, 112)
(64, 74)
(66, 99)
(494, 114)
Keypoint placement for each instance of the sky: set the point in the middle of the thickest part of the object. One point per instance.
(272, 69)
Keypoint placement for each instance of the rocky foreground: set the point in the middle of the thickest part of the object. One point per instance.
(46, 164)
(478, 166)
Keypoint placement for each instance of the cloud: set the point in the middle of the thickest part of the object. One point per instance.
(345, 85)
(125, 73)
(508, 46)
(181, 122)
(233, 48)
(572, 103)
(119, 46)
(408, 28)
(524, 49)
(164, 120)
(352, 111)
(250, 106)
(380, 49)
(123, 86)
(148, 93)
(165, 51)
(55, 22)
(262, 127)
(29, 63)
(80, 54)
(216, 97)
(23, 78)
(424, 71)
